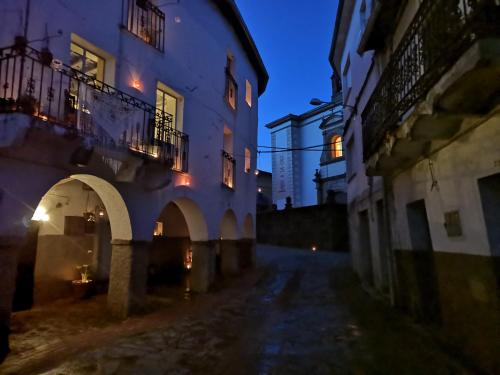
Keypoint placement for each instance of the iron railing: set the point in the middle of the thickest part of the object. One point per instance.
(34, 83)
(147, 22)
(441, 32)
(228, 168)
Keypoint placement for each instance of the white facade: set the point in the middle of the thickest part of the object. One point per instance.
(129, 117)
(198, 39)
(294, 171)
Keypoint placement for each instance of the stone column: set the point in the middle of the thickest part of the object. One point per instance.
(9, 250)
(101, 258)
(230, 257)
(203, 271)
(128, 277)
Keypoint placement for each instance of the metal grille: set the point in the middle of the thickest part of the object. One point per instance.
(440, 33)
(32, 82)
(228, 168)
(147, 22)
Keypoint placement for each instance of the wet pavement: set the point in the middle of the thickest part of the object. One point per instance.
(299, 313)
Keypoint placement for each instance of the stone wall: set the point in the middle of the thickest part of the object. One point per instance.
(323, 226)
(461, 297)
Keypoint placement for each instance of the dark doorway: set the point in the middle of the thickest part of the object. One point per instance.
(424, 263)
(365, 248)
(489, 188)
(383, 245)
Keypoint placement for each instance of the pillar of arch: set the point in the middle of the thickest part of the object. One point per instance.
(248, 227)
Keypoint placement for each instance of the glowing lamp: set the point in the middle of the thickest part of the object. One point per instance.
(313, 248)
(259, 190)
(40, 214)
(136, 84)
(256, 172)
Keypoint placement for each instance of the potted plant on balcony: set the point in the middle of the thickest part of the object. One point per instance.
(84, 287)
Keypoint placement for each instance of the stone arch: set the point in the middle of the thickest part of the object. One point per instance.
(195, 220)
(229, 226)
(116, 208)
(248, 227)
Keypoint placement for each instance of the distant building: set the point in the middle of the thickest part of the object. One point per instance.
(264, 190)
(308, 159)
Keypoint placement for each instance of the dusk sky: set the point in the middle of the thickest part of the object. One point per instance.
(293, 37)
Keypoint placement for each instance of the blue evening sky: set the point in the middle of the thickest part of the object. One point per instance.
(293, 37)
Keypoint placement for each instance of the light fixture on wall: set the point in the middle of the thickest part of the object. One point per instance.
(136, 84)
(256, 172)
(40, 214)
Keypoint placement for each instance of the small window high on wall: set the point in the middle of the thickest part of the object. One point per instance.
(248, 93)
(231, 93)
(248, 160)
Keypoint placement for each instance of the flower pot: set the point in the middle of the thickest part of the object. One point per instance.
(82, 290)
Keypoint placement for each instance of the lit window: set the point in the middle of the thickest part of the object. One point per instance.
(231, 86)
(87, 62)
(248, 94)
(158, 229)
(336, 146)
(166, 103)
(248, 160)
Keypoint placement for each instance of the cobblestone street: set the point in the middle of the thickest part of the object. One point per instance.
(299, 313)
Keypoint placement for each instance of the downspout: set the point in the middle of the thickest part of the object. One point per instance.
(26, 18)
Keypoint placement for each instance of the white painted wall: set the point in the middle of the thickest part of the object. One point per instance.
(193, 65)
(456, 169)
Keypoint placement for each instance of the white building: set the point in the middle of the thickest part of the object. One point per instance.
(422, 160)
(131, 129)
(308, 158)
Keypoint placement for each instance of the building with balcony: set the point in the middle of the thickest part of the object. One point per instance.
(422, 162)
(308, 161)
(128, 133)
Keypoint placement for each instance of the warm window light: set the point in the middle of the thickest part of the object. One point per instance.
(40, 214)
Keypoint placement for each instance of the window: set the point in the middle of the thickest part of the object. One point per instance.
(248, 93)
(248, 160)
(228, 161)
(87, 62)
(158, 231)
(166, 103)
(336, 146)
(147, 22)
(231, 86)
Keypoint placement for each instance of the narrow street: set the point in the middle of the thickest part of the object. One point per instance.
(298, 313)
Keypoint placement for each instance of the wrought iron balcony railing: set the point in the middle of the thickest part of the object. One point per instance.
(228, 168)
(147, 22)
(440, 33)
(34, 83)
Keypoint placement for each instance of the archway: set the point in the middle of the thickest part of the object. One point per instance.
(229, 226)
(248, 227)
(69, 242)
(171, 257)
(228, 252)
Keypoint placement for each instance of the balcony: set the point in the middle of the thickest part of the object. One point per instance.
(443, 74)
(147, 22)
(80, 107)
(228, 168)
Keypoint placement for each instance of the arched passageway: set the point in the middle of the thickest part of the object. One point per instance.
(228, 252)
(68, 250)
(178, 230)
